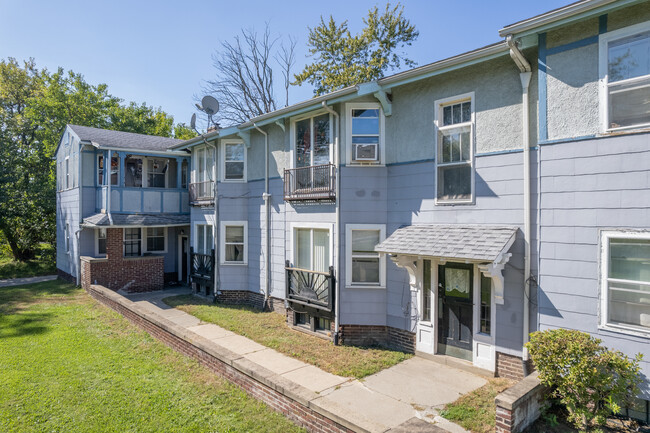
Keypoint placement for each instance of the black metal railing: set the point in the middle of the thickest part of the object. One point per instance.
(316, 182)
(310, 288)
(202, 193)
(202, 272)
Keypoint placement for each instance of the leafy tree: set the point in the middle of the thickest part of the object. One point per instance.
(184, 132)
(35, 106)
(244, 83)
(342, 59)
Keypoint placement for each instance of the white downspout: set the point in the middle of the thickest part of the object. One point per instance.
(525, 75)
(267, 217)
(337, 222)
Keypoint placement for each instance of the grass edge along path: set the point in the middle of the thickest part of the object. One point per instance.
(476, 411)
(71, 364)
(270, 329)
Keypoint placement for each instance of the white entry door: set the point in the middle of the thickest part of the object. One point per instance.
(426, 296)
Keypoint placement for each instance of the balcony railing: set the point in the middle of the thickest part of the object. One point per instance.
(316, 182)
(202, 272)
(202, 193)
(310, 288)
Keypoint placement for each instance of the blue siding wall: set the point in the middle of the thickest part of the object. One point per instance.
(587, 186)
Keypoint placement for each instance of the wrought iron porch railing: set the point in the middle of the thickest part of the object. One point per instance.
(316, 182)
(202, 193)
(202, 272)
(310, 288)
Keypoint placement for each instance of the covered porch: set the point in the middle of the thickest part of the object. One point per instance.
(456, 280)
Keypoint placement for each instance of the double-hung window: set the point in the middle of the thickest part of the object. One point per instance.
(101, 241)
(312, 248)
(68, 183)
(102, 170)
(156, 240)
(67, 237)
(234, 161)
(204, 172)
(234, 239)
(455, 153)
(132, 242)
(365, 133)
(365, 267)
(203, 239)
(625, 280)
(625, 77)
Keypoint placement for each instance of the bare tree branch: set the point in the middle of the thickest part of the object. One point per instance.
(244, 82)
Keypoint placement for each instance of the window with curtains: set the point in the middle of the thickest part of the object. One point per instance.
(312, 249)
(234, 239)
(625, 280)
(203, 239)
(312, 141)
(365, 266)
(454, 160)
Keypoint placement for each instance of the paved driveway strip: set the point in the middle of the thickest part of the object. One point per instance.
(399, 399)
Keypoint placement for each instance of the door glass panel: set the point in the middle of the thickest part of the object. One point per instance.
(303, 253)
(457, 283)
(303, 143)
(321, 250)
(426, 290)
(321, 139)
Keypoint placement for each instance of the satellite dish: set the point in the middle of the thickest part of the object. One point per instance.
(193, 121)
(210, 105)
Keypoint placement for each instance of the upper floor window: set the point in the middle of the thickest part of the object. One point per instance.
(365, 133)
(184, 174)
(234, 161)
(625, 280)
(133, 172)
(102, 171)
(454, 153)
(625, 77)
(312, 141)
(157, 173)
(68, 182)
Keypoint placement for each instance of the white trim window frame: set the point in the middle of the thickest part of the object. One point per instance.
(67, 172)
(226, 242)
(627, 82)
(67, 237)
(100, 234)
(203, 239)
(351, 255)
(225, 161)
(293, 129)
(451, 119)
(624, 290)
(203, 169)
(101, 180)
(312, 226)
(132, 242)
(350, 135)
(147, 237)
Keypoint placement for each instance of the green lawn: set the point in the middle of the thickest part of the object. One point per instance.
(271, 330)
(69, 364)
(44, 264)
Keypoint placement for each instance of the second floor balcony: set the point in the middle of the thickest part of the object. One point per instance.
(142, 200)
(313, 183)
(202, 193)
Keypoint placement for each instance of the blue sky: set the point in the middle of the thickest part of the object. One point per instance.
(160, 51)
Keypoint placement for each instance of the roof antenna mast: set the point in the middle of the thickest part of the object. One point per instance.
(210, 106)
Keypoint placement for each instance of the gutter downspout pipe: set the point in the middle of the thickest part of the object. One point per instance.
(337, 223)
(267, 217)
(525, 75)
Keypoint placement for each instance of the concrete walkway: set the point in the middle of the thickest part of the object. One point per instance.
(403, 398)
(28, 280)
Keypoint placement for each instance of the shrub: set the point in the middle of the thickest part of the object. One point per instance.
(587, 378)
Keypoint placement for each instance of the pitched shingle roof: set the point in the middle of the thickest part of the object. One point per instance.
(101, 220)
(123, 140)
(467, 242)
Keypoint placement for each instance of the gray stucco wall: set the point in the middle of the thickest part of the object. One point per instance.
(587, 186)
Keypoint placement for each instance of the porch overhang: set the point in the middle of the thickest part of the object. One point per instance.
(101, 220)
(486, 246)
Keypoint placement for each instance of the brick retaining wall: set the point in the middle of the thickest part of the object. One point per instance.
(281, 397)
(519, 406)
(510, 367)
(374, 335)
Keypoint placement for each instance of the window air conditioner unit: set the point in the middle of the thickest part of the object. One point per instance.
(365, 152)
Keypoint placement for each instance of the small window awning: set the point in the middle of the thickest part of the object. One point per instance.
(135, 220)
(485, 245)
